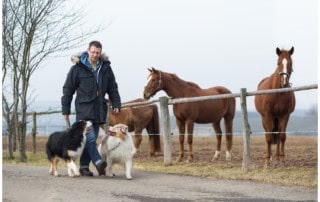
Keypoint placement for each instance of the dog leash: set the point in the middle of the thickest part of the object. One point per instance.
(68, 122)
(109, 150)
(116, 117)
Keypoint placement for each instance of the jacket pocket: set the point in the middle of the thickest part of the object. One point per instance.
(87, 87)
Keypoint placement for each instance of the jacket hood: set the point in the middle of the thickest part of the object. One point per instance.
(76, 57)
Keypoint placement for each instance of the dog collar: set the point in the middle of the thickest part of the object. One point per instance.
(110, 133)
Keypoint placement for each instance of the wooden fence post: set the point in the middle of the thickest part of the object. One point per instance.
(165, 123)
(34, 131)
(246, 131)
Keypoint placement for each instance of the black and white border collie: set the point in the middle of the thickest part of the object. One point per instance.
(67, 145)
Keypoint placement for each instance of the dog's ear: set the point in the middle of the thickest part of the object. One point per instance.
(124, 129)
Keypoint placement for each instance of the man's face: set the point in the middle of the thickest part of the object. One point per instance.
(94, 53)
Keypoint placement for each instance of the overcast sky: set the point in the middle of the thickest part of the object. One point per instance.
(210, 42)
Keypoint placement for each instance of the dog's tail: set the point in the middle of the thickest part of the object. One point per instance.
(153, 128)
(48, 151)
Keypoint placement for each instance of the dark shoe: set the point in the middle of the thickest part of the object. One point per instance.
(85, 172)
(101, 168)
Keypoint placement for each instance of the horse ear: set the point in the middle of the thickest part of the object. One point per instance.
(291, 50)
(278, 51)
(152, 69)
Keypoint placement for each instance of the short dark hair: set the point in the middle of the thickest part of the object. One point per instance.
(95, 44)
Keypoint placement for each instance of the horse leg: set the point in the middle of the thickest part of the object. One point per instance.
(151, 145)
(267, 123)
(154, 139)
(282, 136)
(190, 126)
(217, 129)
(137, 139)
(228, 128)
(181, 128)
(282, 143)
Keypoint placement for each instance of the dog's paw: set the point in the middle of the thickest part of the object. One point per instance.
(76, 174)
(129, 178)
(110, 174)
(51, 171)
(56, 174)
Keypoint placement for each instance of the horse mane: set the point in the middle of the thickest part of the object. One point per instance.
(176, 79)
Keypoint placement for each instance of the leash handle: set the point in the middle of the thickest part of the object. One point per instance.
(68, 122)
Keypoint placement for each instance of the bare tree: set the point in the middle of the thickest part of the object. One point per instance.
(33, 31)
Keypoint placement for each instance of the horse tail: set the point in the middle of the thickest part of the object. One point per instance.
(153, 128)
(275, 130)
(231, 111)
(232, 107)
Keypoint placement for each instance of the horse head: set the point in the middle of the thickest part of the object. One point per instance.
(154, 83)
(284, 69)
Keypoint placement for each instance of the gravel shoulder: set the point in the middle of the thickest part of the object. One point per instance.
(33, 183)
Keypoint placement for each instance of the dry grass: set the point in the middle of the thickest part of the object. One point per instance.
(300, 168)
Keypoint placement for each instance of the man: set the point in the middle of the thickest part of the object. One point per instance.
(91, 78)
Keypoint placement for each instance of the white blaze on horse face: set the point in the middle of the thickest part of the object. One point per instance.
(149, 78)
(284, 63)
(284, 81)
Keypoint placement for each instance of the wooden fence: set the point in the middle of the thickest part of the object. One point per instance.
(165, 120)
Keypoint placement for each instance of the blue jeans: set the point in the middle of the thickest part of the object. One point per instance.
(90, 152)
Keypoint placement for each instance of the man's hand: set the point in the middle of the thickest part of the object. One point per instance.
(116, 110)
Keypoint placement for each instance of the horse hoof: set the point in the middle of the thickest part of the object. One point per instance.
(216, 156)
(228, 156)
(178, 159)
(151, 155)
(214, 159)
(189, 161)
(280, 163)
(267, 164)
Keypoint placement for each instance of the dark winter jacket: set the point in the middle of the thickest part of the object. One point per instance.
(90, 102)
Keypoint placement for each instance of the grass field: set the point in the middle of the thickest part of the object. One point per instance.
(300, 168)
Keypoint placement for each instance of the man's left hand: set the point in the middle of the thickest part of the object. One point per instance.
(116, 110)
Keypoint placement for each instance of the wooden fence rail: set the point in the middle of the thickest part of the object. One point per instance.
(165, 122)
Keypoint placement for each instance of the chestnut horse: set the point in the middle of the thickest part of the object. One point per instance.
(137, 119)
(209, 111)
(276, 108)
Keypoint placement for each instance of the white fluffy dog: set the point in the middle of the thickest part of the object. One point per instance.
(117, 147)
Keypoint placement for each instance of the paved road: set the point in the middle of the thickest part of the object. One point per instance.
(33, 183)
